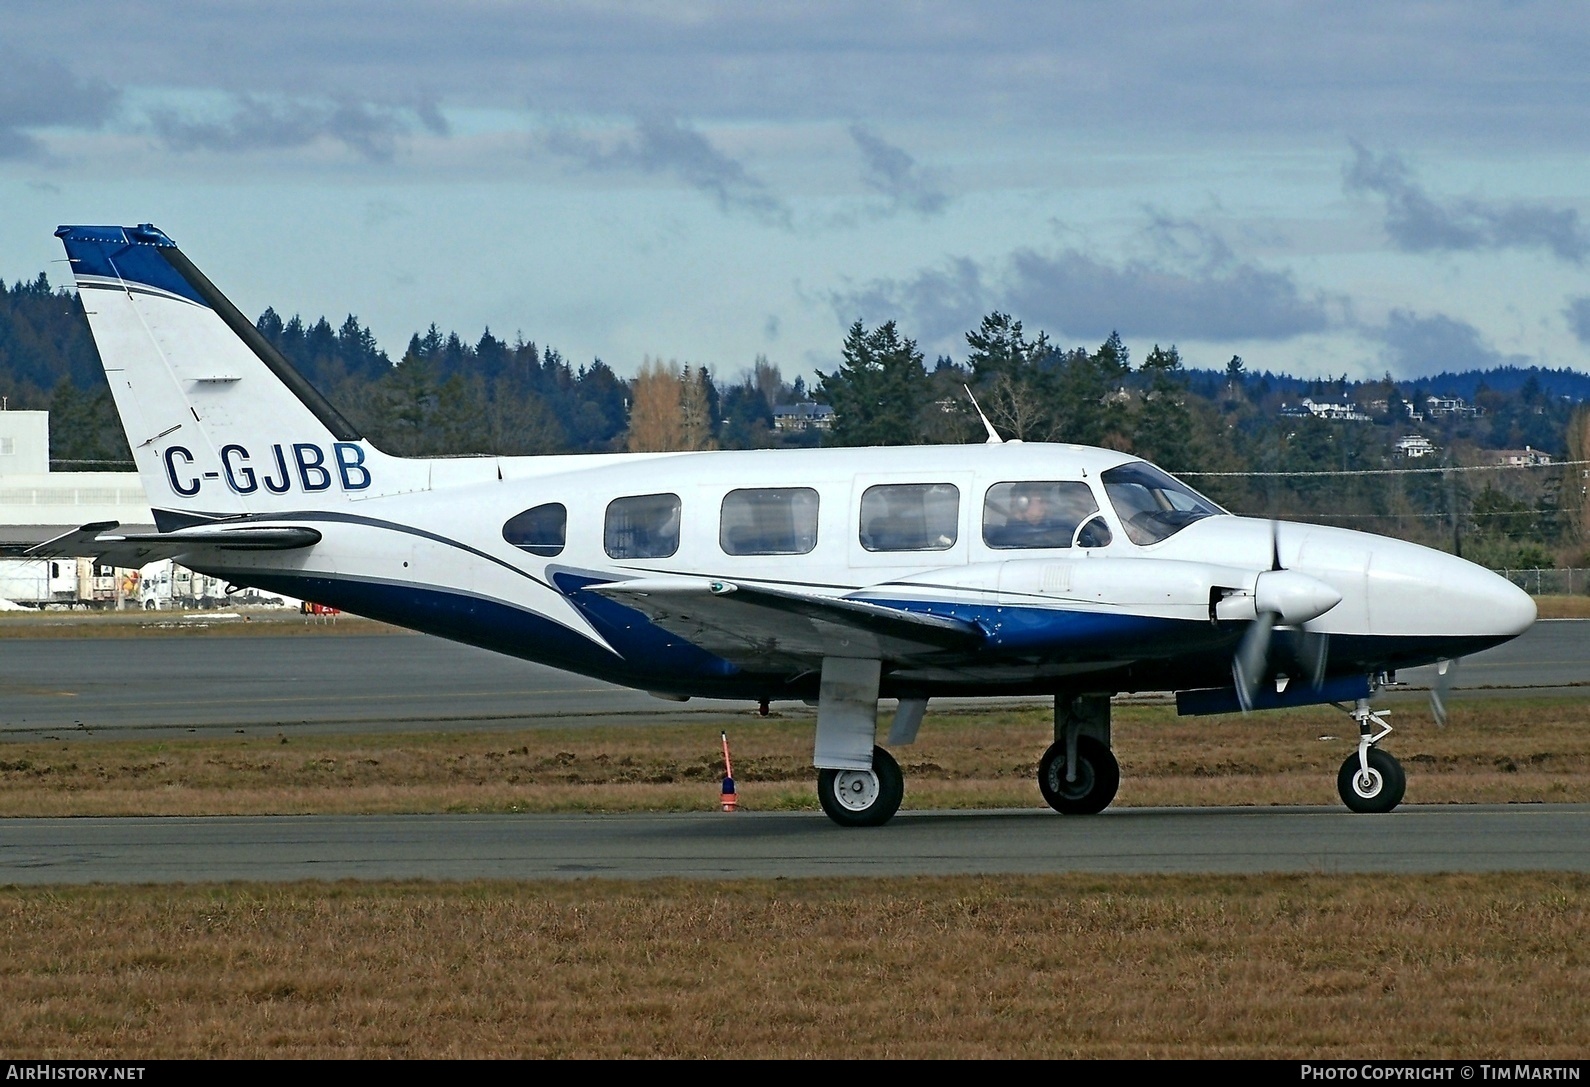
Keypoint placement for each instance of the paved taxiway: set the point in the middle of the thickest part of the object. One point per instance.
(267, 682)
(1414, 839)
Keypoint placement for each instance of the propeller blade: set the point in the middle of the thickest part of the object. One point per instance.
(1445, 673)
(1313, 651)
(1275, 545)
(1248, 665)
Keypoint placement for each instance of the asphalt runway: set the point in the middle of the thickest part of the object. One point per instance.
(173, 685)
(1413, 839)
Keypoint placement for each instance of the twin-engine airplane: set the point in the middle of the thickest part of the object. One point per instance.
(836, 575)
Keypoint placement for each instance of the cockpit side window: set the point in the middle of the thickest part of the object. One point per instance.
(1038, 514)
(1153, 506)
(644, 526)
(768, 521)
(540, 530)
(910, 517)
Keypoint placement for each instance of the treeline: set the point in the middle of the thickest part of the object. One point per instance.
(1223, 429)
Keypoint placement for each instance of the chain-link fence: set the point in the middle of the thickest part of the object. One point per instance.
(1567, 581)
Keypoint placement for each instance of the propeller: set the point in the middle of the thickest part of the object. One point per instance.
(1440, 689)
(1288, 598)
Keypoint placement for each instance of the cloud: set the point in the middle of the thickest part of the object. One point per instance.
(661, 145)
(889, 170)
(1578, 314)
(1419, 223)
(260, 123)
(1418, 346)
(1088, 297)
(1491, 73)
(1201, 292)
(39, 92)
(936, 306)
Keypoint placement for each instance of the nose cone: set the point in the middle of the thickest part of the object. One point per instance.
(1513, 610)
(1415, 590)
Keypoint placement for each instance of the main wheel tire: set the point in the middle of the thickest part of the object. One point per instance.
(1378, 790)
(863, 798)
(1098, 777)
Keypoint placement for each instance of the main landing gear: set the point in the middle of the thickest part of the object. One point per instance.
(862, 798)
(860, 784)
(1370, 780)
(1078, 775)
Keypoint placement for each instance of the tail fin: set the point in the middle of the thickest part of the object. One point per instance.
(220, 424)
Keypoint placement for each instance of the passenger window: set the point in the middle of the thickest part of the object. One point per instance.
(1038, 514)
(642, 527)
(910, 517)
(542, 530)
(768, 521)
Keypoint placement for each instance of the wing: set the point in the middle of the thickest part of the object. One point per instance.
(759, 627)
(131, 550)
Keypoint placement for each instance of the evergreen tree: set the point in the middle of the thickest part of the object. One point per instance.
(879, 390)
(1164, 424)
(1013, 385)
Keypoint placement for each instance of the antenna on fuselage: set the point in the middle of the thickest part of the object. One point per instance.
(993, 435)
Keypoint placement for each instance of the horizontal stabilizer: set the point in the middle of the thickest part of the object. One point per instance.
(756, 625)
(131, 550)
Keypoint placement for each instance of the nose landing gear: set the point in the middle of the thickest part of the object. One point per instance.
(1370, 780)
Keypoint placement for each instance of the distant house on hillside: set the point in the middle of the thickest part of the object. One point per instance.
(1437, 406)
(1520, 458)
(1412, 446)
(1344, 410)
(803, 416)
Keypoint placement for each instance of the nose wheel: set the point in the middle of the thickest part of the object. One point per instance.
(1370, 780)
(862, 798)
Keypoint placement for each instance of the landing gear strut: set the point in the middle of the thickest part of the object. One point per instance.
(1370, 780)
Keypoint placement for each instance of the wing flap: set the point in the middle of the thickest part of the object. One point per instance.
(761, 626)
(134, 549)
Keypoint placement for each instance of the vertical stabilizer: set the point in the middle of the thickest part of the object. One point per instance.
(220, 424)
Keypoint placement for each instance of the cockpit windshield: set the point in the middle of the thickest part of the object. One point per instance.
(1151, 505)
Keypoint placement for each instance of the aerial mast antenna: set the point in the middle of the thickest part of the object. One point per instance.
(993, 435)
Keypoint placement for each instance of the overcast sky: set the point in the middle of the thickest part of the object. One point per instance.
(1323, 188)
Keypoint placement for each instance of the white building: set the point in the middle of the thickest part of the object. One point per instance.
(37, 504)
(1412, 446)
(1344, 410)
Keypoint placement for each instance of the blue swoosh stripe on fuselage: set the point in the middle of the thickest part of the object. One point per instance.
(648, 657)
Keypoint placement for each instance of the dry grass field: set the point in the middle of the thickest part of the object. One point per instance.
(1305, 966)
(1449, 966)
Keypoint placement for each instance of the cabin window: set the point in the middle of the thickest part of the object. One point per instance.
(1151, 505)
(542, 530)
(910, 517)
(644, 526)
(768, 521)
(1039, 514)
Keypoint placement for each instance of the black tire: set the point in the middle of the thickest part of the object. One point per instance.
(1098, 777)
(863, 798)
(1380, 791)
